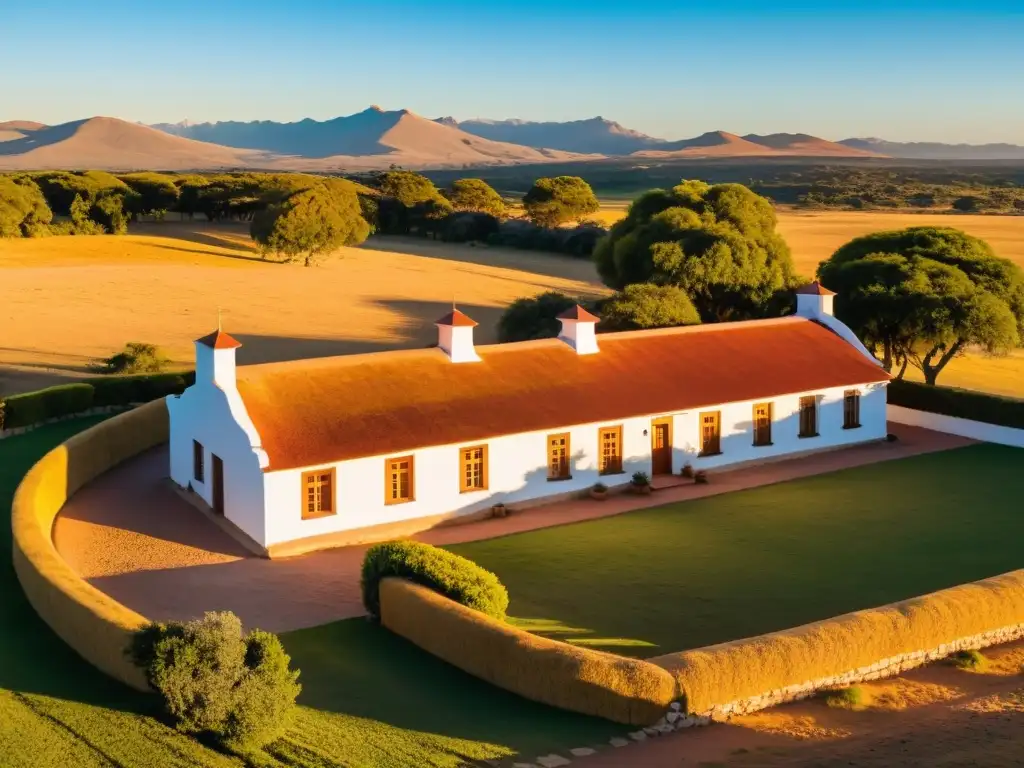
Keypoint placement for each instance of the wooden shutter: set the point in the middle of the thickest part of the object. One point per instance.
(558, 456)
(808, 416)
(473, 468)
(198, 465)
(763, 424)
(851, 409)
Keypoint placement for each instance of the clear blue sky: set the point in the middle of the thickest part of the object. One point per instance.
(945, 71)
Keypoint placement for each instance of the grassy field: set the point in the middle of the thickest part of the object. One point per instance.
(744, 563)
(369, 698)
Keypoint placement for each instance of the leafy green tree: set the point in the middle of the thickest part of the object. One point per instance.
(646, 305)
(155, 192)
(108, 212)
(408, 188)
(551, 202)
(969, 203)
(23, 209)
(717, 243)
(535, 317)
(924, 295)
(476, 196)
(310, 224)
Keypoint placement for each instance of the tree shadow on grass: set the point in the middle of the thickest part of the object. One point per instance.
(580, 636)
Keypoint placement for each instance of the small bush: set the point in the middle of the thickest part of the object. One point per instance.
(137, 357)
(846, 698)
(122, 390)
(449, 574)
(51, 403)
(687, 470)
(215, 681)
(599, 487)
(991, 409)
(640, 478)
(972, 660)
(700, 477)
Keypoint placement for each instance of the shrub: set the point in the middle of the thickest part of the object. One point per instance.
(687, 470)
(51, 403)
(215, 681)
(137, 357)
(2, 409)
(845, 698)
(599, 487)
(991, 409)
(122, 390)
(640, 478)
(700, 477)
(972, 660)
(449, 574)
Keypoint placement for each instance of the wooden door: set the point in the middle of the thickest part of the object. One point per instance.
(218, 485)
(661, 447)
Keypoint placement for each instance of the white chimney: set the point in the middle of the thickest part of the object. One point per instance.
(215, 359)
(578, 330)
(814, 300)
(455, 337)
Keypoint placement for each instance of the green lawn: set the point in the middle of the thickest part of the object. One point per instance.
(369, 698)
(740, 564)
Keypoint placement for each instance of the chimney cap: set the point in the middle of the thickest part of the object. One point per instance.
(579, 314)
(457, 319)
(814, 289)
(219, 340)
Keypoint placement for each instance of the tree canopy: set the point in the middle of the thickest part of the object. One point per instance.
(646, 305)
(554, 201)
(408, 187)
(476, 196)
(23, 209)
(535, 317)
(924, 295)
(717, 243)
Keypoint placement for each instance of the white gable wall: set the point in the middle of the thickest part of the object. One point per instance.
(517, 464)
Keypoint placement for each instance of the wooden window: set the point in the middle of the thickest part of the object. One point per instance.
(809, 416)
(851, 409)
(317, 493)
(198, 465)
(610, 439)
(400, 480)
(558, 456)
(473, 474)
(710, 433)
(763, 424)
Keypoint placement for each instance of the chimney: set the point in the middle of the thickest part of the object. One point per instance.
(814, 300)
(578, 330)
(455, 337)
(215, 359)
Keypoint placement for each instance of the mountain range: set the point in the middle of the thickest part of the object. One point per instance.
(377, 138)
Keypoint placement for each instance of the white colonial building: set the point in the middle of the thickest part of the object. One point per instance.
(315, 453)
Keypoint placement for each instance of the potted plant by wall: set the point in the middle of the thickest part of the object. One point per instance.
(641, 483)
(599, 491)
(687, 470)
(499, 510)
(700, 477)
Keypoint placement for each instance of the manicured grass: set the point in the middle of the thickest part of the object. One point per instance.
(740, 564)
(369, 698)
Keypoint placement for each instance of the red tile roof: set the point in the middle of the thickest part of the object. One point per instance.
(815, 289)
(457, 319)
(219, 340)
(579, 313)
(325, 410)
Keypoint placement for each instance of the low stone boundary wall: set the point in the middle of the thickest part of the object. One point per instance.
(617, 688)
(975, 430)
(95, 625)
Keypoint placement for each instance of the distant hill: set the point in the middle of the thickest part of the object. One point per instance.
(593, 136)
(711, 144)
(17, 129)
(805, 145)
(927, 150)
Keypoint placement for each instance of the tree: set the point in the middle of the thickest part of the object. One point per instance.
(476, 196)
(552, 202)
(968, 203)
(717, 243)
(108, 212)
(155, 192)
(309, 224)
(534, 318)
(922, 296)
(23, 209)
(408, 187)
(648, 306)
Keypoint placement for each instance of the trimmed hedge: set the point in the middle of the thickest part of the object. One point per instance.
(121, 390)
(449, 574)
(962, 403)
(51, 403)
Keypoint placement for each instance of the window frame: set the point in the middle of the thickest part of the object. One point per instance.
(567, 463)
(812, 401)
(198, 462)
(464, 464)
(851, 395)
(332, 474)
(718, 433)
(603, 468)
(388, 500)
(759, 438)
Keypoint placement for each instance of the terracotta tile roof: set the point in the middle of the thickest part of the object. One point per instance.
(815, 289)
(579, 313)
(219, 340)
(457, 319)
(325, 410)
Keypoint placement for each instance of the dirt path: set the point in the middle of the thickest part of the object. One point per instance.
(131, 536)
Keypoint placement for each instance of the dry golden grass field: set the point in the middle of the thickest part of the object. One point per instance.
(65, 302)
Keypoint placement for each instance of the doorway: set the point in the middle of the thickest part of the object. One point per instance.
(218, 485)
(661, 447)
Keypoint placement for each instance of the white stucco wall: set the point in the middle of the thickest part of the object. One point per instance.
(518, 463)
(976, 430)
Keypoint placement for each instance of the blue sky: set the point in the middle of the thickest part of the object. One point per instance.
(903, 70)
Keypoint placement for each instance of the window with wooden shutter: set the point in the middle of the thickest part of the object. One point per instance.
(400, 480)
(851, 409)
(710, 433)
(809, 416)
(198, 464)
(558, 456)
(473, 473)
(763, 424)
(317, 493)
(610, 442)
